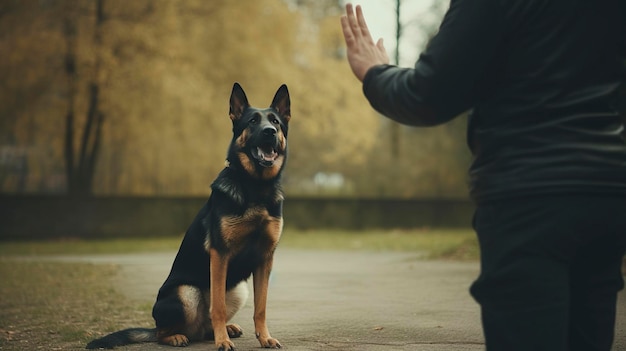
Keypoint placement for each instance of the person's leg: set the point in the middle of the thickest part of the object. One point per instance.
(596, 277)
(523, 288)
(523, 316)
(546, 262)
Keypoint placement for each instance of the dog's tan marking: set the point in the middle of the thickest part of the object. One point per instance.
(235, 229)
(175, 340)
(234, 330)
(261, 277)
(219, 267)
(274, 229)
(282, 140)
(247, 164)
(272, 172)
(242, 139)
(168, 337)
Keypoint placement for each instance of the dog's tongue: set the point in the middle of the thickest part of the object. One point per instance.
(267, 154)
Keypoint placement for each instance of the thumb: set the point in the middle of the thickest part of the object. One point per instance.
(382, 50)
(380, 44)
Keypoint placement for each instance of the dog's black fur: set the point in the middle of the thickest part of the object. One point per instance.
(233, 237)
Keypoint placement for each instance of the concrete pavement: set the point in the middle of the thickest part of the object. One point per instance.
(320, 300)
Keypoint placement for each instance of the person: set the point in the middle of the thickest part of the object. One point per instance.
(548, 177)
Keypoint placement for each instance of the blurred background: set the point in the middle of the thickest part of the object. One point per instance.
(115, 98)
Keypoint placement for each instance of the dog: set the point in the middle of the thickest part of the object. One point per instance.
(233, 237)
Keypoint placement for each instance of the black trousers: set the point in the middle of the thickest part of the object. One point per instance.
(550, 272)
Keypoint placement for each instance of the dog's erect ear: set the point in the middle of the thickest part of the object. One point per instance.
(238, 102)
(282, 103)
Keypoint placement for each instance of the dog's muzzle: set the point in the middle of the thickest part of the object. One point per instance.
(266, 152)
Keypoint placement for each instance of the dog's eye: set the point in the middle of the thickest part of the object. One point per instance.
(253, 120)
(275, 121)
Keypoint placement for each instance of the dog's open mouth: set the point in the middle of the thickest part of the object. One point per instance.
(265, 154)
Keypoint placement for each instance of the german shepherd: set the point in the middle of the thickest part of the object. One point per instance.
(233, 237)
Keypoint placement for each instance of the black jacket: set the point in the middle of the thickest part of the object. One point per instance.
(542, 78)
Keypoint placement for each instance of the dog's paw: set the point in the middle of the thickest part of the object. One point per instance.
(269, 342)
(179, 340)
(234, 330)
(225, 345)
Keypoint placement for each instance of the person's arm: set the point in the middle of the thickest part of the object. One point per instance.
(445, 79)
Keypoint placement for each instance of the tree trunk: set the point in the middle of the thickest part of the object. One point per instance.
(395, 126)
(80, 174)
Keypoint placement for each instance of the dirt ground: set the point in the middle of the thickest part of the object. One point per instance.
(319, 300)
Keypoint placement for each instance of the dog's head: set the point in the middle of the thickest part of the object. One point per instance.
(259, 143)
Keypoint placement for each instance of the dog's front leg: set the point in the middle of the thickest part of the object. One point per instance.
(219, 268)
(261, 282)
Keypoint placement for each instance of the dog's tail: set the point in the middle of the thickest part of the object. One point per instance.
(123, 337)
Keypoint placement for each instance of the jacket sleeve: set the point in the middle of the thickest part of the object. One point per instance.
(445, 79)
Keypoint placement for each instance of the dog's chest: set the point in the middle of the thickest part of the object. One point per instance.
(255, 224)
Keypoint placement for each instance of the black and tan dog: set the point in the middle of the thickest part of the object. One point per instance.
(233, 236)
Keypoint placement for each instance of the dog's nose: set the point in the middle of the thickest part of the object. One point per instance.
(269, 131)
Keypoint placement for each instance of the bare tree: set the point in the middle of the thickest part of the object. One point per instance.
(80, 174)
(395, 126)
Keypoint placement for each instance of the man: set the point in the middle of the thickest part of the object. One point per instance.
(549, 171)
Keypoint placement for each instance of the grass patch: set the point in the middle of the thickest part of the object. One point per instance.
(60, 306)
(79, 246)
(439, 243)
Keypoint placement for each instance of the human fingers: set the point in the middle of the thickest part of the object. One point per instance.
(362, 24)
(352, 21)
(347, 32)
